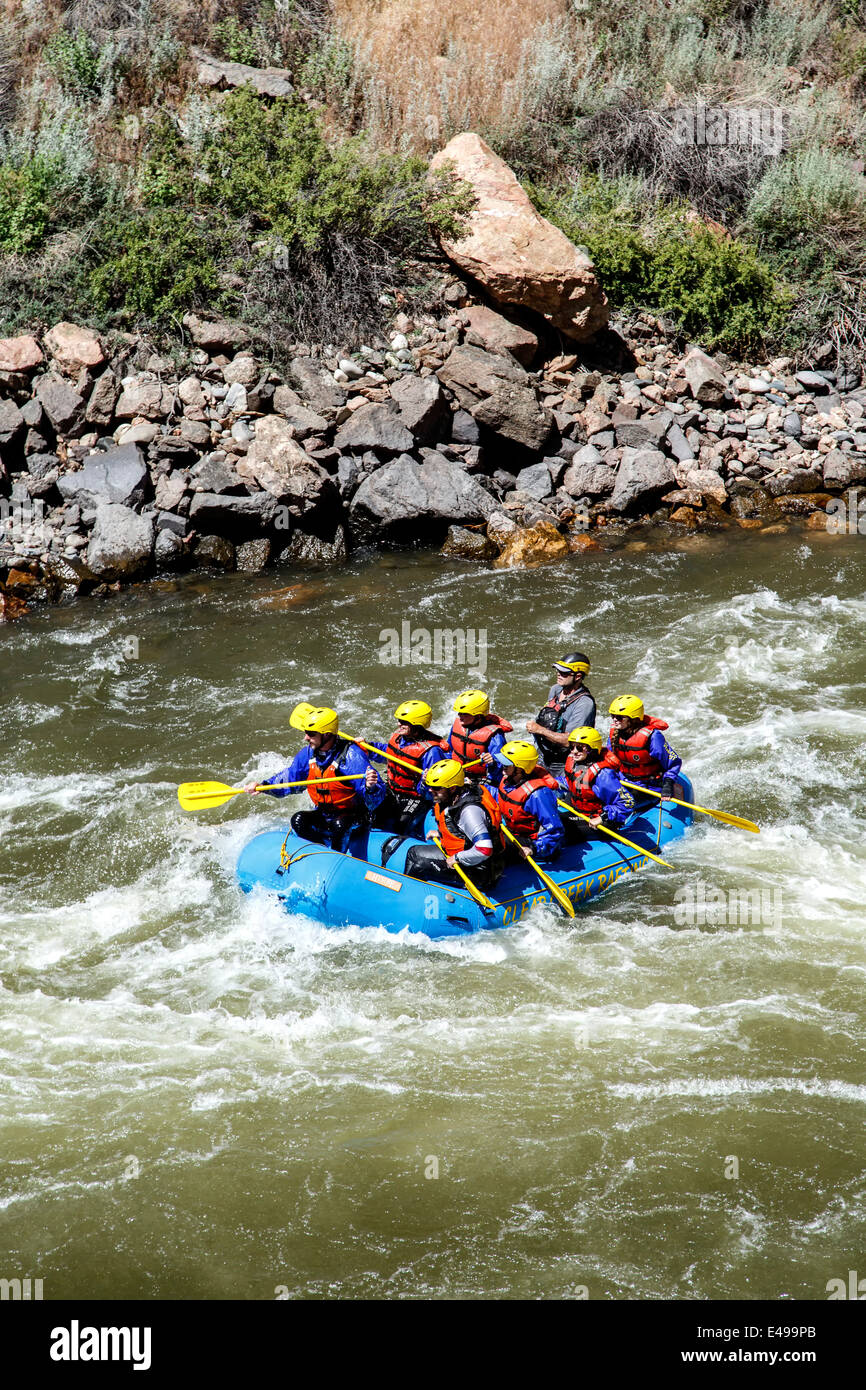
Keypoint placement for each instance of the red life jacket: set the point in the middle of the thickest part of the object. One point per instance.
(469, 744)
(325, 791)
(400, 779)
(633, 754)
(580, 777)
(451, 836)
(512, 801)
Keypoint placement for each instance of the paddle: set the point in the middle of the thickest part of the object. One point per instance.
(623, 841)
(718, 815)
(476, 892)
(557, 892)
(203, 796)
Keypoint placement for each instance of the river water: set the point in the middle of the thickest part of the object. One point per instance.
(665, 1098)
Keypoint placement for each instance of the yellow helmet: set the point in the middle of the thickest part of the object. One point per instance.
(446, 773)
(472, 702)
(414, 712)
(575, 661)
(520, 754)
(627, 707)
(320, 721)
(591, 737)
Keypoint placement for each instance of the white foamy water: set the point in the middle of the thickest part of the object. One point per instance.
(206, 1097)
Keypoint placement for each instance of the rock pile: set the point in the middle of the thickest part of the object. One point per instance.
(115, 465)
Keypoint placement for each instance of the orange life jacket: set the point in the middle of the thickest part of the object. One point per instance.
(469, 744)
(451, 836)
(580, 777)
(400, 779)
(512, 801)
(325, 791)
(633, 754)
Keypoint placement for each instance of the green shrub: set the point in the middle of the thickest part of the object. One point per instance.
(241, 44)
(803, 193)
(25, 204)
(84, 68)
(155, 266)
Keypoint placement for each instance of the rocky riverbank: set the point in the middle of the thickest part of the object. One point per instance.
(115, 465)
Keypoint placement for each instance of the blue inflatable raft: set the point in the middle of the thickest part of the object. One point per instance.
(354, 889)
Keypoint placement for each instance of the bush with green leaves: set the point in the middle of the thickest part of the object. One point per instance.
(156, 265)
(249, 44)
(85, 69)
(25, 205)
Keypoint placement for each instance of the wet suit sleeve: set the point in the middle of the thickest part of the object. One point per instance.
(296, 771)
(473, 823)
(660, 749)
(356, 760)
(616, 799)
(548, 838)
(433, 755)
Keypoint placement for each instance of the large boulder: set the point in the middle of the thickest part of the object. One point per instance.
(74, 348)
(841, 469)
(373, 426)
(121, 542)
(587, 476)
(214, 73)
(217, 511)
(516, 254)
(405, 491)
(118, 475)
(215, 334)
(303, 420)
(150, 399)
(533, 545)
(704, 376)
(639, 477)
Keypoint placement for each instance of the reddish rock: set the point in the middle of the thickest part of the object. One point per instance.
(513, 251)
(74, 348)
(487, 329)
(22, 354)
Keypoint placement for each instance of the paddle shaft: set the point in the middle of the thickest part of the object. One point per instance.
(268, 786)
(557, 892)
(476, 892)
(725, 816)
(392, 757)
(604, 830)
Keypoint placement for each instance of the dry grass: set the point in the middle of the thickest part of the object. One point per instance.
(430, 69)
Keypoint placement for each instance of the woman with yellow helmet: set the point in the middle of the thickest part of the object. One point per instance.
(477, 734)
(592, 785)
(527, 796)
(408, 799)
(638, 743)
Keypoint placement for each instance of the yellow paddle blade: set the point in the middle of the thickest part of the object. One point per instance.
(555, 889)
(475, 892)
(725, 816)
(299, 713)
(201, 796)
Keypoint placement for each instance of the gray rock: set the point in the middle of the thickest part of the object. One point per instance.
(43, 465)
(515, 413)
(167, 549)
(252, 557)
(102, 399)
(316, 384)
(268, 82)
(536, 481)
(471, 373)
(235, 399)
(244, 369)
(311, 552)
(11, 421)
(679, 445)
(32, 413)
(462, 544)
(348, 471)
(792, 425)
(842, 469)
(216, 475)
(195, 432)
(587, 478)
(170, 521)
(648, 432)
(241, 513)
(374, 426)
(120, 544)
(815, 382)
(421, 404)
(215, 551)
(404, 491)
(304, 421)
(800, 480)
(639, 477)
(119, 475)
(705, 377)
(464, 430)
(62, 405)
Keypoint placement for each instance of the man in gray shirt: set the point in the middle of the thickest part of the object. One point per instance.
(569, 706)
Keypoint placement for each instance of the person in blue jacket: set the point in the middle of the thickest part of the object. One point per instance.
(408, 798)
(527, 795)
(591, 783)
(640, 749)
(324, 760)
